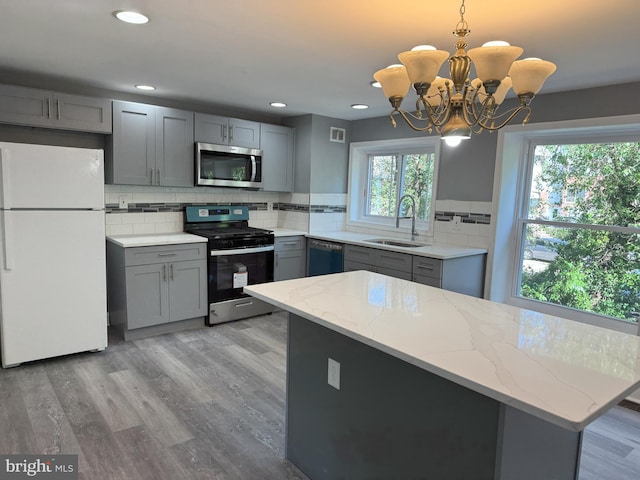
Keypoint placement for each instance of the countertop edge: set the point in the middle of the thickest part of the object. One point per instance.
(426, 251)
(154, 240)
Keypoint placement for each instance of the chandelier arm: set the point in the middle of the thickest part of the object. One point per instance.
(510, 115)
(471, 114)
(440, 115)
(407, 118)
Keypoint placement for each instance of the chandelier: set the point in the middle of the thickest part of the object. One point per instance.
(458, 107)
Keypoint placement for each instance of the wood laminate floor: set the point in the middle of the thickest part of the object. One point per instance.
(201, 404)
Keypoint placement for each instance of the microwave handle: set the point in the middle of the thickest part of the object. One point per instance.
(253, 168)
(230, 132)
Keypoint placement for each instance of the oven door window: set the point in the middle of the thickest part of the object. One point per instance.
(229, 273)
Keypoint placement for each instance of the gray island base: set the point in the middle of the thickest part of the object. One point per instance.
(393, 420)
(390, 379)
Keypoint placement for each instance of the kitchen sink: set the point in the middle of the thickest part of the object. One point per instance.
(396, 243)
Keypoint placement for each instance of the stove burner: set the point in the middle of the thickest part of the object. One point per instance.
(225, 227)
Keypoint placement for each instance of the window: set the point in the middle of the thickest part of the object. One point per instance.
(381, 173)
(581, 241)
(392, 176)
(568, 221)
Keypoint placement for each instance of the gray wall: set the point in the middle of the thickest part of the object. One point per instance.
(321, 165)
(466, 171)
(302, 168)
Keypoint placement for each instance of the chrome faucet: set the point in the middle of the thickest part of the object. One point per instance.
(414, 234)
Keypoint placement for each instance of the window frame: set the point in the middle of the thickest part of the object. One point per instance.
(511, 195)
(357, 194)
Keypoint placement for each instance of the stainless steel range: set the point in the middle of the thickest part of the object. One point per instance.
(239, 255)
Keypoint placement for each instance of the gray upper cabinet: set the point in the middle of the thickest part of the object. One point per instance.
(150, 145)
(174, 147)
(226, 131)
(43, 108)
(277, 145)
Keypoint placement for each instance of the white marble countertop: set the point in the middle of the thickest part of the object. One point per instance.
(155, 239)
(442, 252)
(287, 232)
(565, 372)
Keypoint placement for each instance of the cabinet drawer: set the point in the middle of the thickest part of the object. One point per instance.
(430, 267)
(393, 260)
(391, 272)
(283, 244)
(351, 266)
(360, 254)
(164, 253)
(424, 280)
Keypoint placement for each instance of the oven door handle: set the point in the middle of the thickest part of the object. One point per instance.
(240, 251)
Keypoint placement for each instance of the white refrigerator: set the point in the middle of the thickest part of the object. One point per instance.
(52, 252)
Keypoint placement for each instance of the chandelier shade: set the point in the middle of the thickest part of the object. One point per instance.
(393, 80)
(493, 62)
(528, 75)
(457, 107)
(423, 63)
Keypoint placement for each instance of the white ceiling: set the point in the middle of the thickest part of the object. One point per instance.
(318, 56)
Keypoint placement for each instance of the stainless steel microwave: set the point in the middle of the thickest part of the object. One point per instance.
(228, 166)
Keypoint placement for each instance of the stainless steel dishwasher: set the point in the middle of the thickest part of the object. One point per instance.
(325, 257)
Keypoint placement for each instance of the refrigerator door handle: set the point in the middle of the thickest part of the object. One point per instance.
(7, 240)
(4, 176)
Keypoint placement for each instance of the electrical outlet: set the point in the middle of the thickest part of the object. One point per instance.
(122, 202)
(456, 223)
(333, 376)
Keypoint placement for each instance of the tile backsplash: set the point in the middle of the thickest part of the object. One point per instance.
(152, 210)
(143, 210)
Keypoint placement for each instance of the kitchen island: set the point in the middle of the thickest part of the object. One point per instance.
(429, 383)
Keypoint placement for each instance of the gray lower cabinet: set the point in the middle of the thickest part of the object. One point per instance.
(152, 287)
(150, 145)
(393, 264)
(277, 144)
(226, 131)
(44, 108)
(462, 274)
(290, 258)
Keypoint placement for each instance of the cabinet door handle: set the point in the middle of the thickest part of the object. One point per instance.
(167, 254)
(158, 176)
(230, 131)
(224, 132)
(48, 108)
(151, 174)
(425, 267)
(171, 269)
(164, 273)
(59, 109)
(290, 243)
(276, 255)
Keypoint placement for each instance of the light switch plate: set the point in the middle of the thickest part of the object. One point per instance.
(333, 376)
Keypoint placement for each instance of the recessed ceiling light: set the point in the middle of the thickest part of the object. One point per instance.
(278, 104)
(359, 106)
(375, 84)
(131, 17)
(145, 87)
